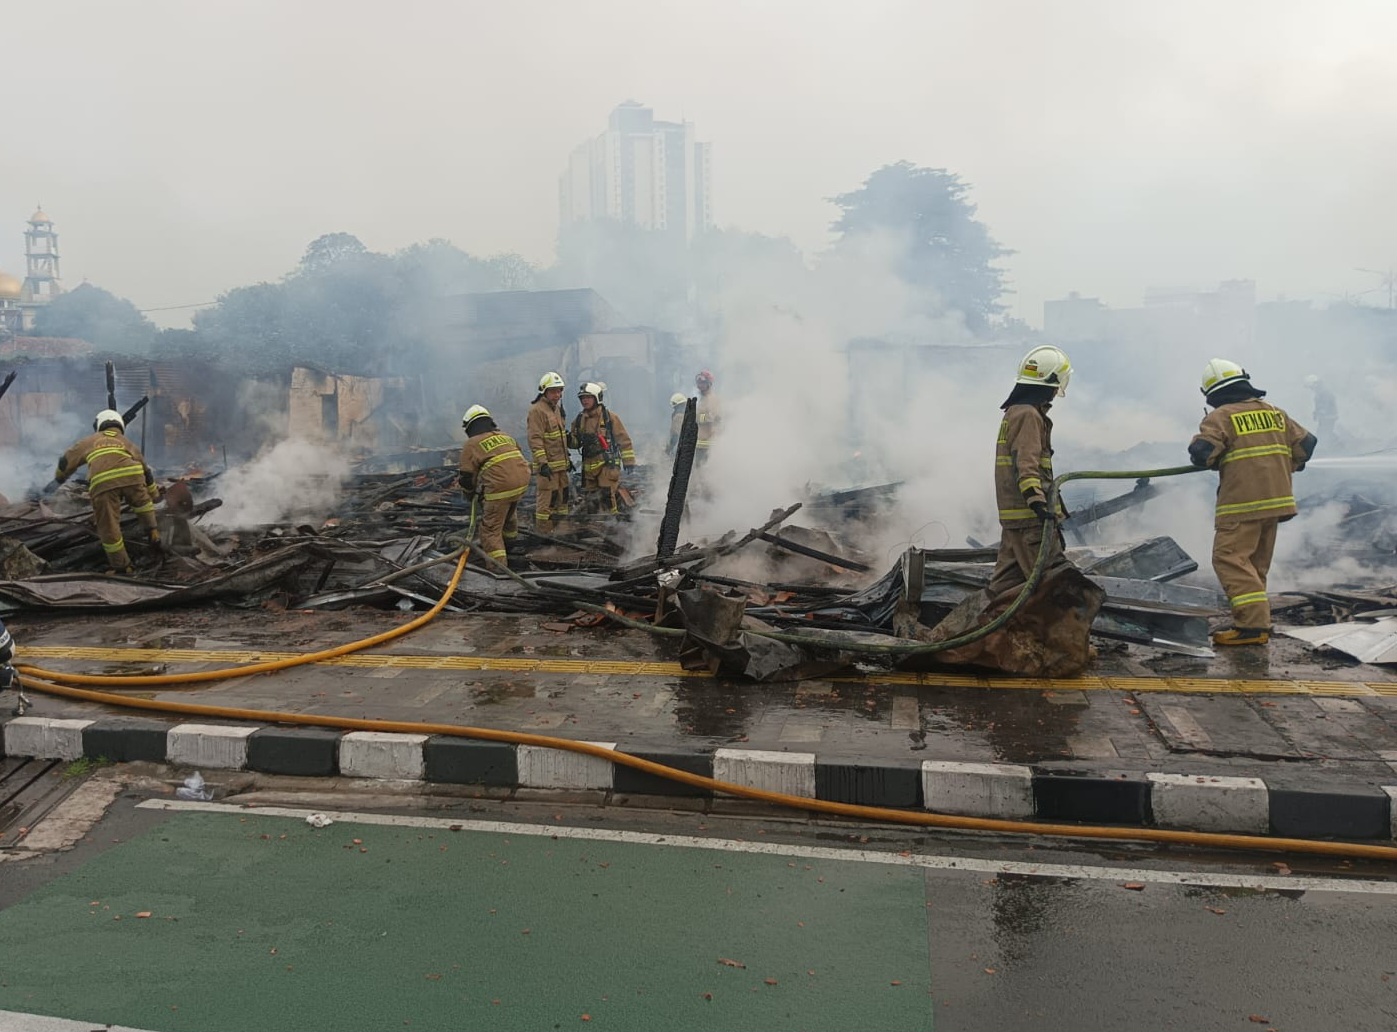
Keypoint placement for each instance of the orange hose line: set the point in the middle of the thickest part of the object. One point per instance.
(819, 806)
(153, 680)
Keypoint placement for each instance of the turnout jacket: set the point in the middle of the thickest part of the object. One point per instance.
(491, 462)
(709, 414)
(1255, 447)
(547, 433)
(1023, 464)
(112, 461)
(589, 436)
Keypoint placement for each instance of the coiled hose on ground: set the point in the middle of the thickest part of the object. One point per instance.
(61, 684)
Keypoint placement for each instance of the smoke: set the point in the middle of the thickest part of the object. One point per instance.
(296, 480)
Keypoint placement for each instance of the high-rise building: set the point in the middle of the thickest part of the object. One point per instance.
(641, 171)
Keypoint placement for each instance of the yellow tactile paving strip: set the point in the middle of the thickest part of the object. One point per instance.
(634, 668)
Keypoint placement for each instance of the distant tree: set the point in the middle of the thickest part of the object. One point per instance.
(513, 271)
(177, 344)
(327, 251)
(99, 317)
(438, 268)
(938, 242)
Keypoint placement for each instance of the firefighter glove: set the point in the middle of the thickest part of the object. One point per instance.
(544, 471)
(1041, 510)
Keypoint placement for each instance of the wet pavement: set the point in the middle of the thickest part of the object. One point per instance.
(1279, 710)
(502, 914)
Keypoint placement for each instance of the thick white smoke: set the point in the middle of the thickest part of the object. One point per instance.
(295, 480)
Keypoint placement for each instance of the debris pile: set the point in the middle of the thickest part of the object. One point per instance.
(390, 540)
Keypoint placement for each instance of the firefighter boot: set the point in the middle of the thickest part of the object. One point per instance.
(1242, 636)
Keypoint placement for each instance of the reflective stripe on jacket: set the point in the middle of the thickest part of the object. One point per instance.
(1023, 464)
(709, 414)
(1255, 447)
(497, 464)
(112, 461)
(547, 434)
(588, 431)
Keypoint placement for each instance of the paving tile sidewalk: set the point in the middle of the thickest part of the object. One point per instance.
(1326, 727)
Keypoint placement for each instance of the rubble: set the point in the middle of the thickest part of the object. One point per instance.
(399, 517)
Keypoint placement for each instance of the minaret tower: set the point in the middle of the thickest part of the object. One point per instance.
(41, 282)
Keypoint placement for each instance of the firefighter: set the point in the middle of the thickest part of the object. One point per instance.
(709, 415)
(494, 472)
(1255, 447)
(547, 425)
(116, 473)
(677, 404)
(1326, 406)
(601, 437)
(1023, 471)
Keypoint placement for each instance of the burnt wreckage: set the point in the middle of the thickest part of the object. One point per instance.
(391, 538)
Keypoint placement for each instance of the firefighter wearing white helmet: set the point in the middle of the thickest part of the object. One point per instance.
(1256, 448)
(1023, 471)
(116, 472)
(1326, 409)
(494, 474)
(677, 404)
(606, 448)
(548, 452)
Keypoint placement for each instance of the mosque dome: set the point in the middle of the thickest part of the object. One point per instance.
(39, 216)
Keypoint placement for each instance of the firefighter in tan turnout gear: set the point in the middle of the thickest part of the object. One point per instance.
(1255, 447)
(709, 413)
(601, 437)
(116, 473)
(1023, 471)
(494, 471)
(548, 451)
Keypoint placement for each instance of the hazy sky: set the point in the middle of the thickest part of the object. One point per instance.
(186, 148)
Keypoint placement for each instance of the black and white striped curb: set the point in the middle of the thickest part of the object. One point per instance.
(1193, 802)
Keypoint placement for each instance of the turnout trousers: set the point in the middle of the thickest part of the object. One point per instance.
(1018, 551)
(1242, 551)
(106, 511)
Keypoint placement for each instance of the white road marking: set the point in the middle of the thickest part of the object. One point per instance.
(974, 865)
(17, 1021)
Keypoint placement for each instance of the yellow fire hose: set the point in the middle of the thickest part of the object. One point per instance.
(62, 684)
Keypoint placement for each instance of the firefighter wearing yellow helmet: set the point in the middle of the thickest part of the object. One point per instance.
(606, 448)
(1256, 448)
(548, 451)
(116, 472)
(494, 473)
(1023, 470)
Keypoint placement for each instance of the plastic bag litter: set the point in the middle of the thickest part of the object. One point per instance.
(194, 789)
(319, 820)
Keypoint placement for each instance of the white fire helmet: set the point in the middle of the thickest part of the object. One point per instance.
(596, 390)
(1046, 365)
(108, 416)
(472, 414)
(548, 381)
(677, 399)
(1220, 373)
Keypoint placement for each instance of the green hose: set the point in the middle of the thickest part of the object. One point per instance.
(1035, 578)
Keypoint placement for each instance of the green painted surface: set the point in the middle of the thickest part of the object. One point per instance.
(262, 922)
